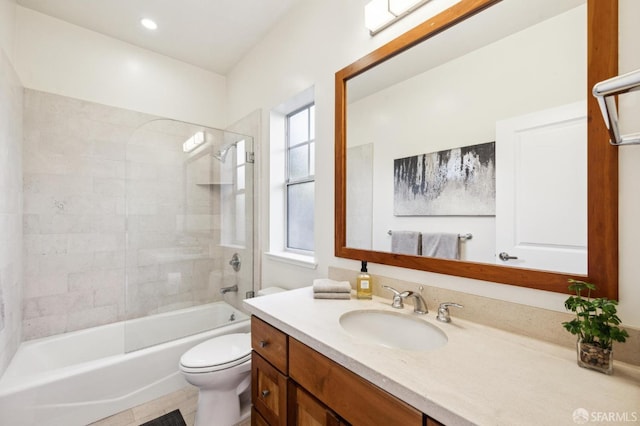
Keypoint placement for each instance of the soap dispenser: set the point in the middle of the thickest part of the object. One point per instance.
(364, 285)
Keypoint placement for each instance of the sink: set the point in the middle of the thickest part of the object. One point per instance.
(393, 330)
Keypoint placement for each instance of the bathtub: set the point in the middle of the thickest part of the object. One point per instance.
(79, 377)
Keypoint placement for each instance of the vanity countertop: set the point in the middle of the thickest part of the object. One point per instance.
(481, 376)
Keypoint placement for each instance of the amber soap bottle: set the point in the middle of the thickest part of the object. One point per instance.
(364, 285)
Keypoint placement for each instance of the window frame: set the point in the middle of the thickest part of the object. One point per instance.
(309, 178)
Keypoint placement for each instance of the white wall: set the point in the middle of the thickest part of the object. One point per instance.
(320, 37)
(7, 26)
(629, 172)
(57, 57)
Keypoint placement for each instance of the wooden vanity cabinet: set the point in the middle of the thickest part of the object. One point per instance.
(293, 384)
(269, 391)
(308, 411)
(269, 373)
(355, 399)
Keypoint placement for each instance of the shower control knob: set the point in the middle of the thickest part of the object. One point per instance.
(504, 256)
(235, 262)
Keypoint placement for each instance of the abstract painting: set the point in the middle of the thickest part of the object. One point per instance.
(454, 182)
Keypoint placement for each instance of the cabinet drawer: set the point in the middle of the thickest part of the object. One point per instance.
(268, 391)
(270, 343)
(308, 411)
(257, 419)
(354, 399)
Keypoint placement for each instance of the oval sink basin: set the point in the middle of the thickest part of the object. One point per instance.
(393, 330)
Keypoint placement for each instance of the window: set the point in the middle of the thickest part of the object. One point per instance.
(300, 181)
(232, 170)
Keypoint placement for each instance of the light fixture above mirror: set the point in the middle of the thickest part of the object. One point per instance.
(380, 14)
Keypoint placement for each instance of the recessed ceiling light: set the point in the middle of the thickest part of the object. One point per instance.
(149, 24)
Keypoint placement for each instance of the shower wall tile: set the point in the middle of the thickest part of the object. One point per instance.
(105, 206)
(11, 276)
(74, 224)
(44, 284)
(92, 317)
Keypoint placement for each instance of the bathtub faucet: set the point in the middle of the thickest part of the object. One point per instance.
(224, 290)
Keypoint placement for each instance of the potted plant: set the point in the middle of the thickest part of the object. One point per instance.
(596, 325)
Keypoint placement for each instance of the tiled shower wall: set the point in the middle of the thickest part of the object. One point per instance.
(74, 222)
(10, 211)
(88, 174)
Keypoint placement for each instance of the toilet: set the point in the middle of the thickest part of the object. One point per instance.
(221, 368)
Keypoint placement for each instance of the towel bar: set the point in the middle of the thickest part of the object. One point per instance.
(604, 92)
(463, 237)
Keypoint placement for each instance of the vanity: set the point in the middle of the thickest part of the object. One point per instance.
(294, 384)
(306, 366)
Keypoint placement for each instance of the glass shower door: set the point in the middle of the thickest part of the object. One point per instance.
(189, 216)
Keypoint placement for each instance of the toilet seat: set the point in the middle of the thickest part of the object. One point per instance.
(218, 353)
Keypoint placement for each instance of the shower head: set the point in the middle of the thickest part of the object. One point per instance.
(222, 152)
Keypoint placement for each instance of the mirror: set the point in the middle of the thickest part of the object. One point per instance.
(433, 103)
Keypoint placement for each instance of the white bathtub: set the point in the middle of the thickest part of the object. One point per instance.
(83, 376)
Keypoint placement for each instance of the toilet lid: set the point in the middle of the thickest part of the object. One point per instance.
(218, 353)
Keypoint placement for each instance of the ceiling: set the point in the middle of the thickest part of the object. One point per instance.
(211, 34)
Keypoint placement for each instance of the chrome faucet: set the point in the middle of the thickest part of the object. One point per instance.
(397, 297)
(443, 311)
(419, 306)
(225, 290)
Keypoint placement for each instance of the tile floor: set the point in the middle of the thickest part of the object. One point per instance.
(186, 400)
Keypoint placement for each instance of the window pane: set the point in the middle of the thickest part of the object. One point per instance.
(240, 153)
(299, 162)
(240, 178)
(312, 122)
(312, 159)
(240, 219)
(300, 216)
(298, 127)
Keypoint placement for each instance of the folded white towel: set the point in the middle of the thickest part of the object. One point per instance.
(332, 295)
(325, 285)
(405, 242)
(446, 246)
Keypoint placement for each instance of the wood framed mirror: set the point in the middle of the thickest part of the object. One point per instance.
(601, 170)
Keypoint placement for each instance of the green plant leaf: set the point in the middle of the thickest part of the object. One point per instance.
(596, 321)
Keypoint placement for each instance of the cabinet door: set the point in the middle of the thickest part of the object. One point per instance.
(257, 419)
(350, 396)
(268, 391)
(308, 411)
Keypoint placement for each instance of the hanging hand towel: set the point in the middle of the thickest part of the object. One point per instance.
(405, 242)
(325, 285)
(442, 245)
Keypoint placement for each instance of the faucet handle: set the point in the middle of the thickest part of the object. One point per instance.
(443, 311)
(397, 296)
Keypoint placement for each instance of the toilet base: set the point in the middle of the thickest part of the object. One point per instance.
(226, 408)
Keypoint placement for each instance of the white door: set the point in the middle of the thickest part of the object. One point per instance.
(541, 190)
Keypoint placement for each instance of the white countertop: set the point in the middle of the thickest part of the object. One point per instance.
(481, 376)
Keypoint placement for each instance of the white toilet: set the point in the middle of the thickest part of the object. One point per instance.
(221, 368)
